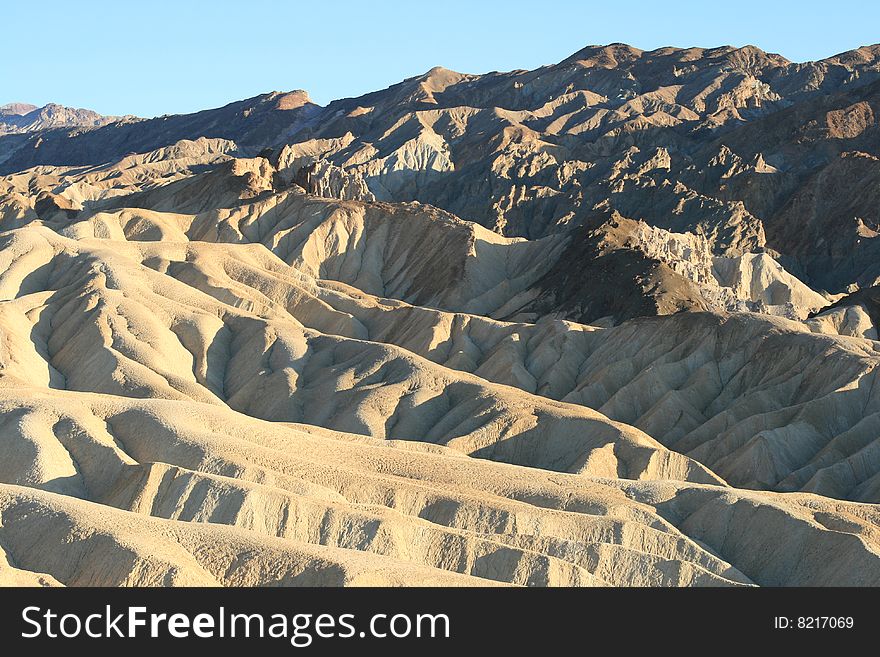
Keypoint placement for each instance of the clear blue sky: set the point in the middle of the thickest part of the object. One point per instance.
(160, 56)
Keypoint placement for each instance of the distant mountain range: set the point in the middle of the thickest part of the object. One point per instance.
(621, 149)
(21, 118)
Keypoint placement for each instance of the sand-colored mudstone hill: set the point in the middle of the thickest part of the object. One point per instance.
(469, 330)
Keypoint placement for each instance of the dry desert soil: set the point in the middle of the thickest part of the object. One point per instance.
(610, 322)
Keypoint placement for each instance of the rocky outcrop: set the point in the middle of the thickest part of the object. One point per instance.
(327, 180)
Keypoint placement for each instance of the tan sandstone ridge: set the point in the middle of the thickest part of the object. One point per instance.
(604, 323)
(206, 378)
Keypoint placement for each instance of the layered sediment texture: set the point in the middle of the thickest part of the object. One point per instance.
(600, 324)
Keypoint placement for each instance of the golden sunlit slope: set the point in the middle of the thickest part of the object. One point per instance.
(208, 376)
